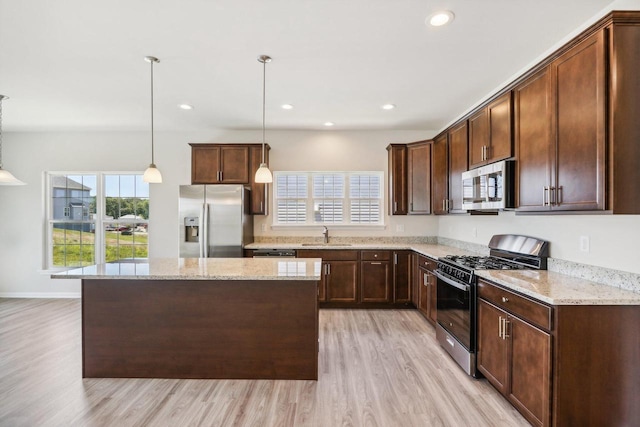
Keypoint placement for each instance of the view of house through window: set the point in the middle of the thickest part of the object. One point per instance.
(95, 218)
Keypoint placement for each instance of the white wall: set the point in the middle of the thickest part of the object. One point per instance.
(613, 238)
(29, 155)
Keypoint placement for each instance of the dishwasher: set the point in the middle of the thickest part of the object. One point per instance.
(278, 253)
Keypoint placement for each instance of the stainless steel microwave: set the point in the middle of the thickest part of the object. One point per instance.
(489, 187)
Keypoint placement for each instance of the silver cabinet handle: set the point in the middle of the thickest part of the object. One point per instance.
(261, 209)
(552, 194)
(500, 327)
(504, 329)
(427, 279)
(559, 195)
(395, 258)
(376, 263)
(395, 206)
(545, 191)
(505, 299)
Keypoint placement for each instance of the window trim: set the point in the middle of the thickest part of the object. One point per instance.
(346, 224)
(98, 219)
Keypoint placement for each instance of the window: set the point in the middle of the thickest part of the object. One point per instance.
(342, 198)
(95, 218)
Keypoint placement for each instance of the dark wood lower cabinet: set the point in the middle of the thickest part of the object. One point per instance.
(375, 281)
(341, 279)
(426, 285)
(516, 359)
(561, 365)
(402, 283)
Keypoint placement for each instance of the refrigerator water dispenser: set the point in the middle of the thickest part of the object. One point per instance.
(192, 229)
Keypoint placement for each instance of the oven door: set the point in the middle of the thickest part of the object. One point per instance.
(456, 310)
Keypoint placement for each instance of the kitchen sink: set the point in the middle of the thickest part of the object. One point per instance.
(326, 244)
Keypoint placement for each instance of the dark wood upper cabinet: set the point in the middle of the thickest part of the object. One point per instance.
(419, 178)
(579, 90)
(532, 101)
(490, 132)
(440, 168)
(397, 154)
(458, 157)
(219, 164)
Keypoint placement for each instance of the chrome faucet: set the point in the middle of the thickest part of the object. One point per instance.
(325, 233)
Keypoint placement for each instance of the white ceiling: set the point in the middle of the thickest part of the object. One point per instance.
(78, 64)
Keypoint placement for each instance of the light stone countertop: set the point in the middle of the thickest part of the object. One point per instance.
(201, 269)
(560, 289)
(546, 286)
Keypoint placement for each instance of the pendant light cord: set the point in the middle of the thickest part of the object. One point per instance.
(152, 157)
(264, 96)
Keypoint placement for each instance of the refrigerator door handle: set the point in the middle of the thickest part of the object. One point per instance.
(205, 239)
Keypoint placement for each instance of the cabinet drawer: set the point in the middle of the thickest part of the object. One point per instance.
(328, 255)
(523, 307)
(375, 255)
(427, 263)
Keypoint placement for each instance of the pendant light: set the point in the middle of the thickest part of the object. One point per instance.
(6, 178)
(263, 174)
(152, 174)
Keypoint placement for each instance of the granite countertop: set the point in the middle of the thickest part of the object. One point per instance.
(546, 286)
(431, 250)
(560, 289)
(201, 269)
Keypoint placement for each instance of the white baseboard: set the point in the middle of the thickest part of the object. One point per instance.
(40, 295)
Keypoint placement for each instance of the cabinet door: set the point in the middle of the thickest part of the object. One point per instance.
(580, 95)
(397, 179)
(234, 164)
(419, 178)
(458, 158)
(432, 301)
(415, 280)
(402, 266)
(500, 134)
(423, 300)
(440, 175)
(342, 281)
(492, 348)
(478, 138)
(530, 371)
(322, 285)
(533, 141)
(205, 161)
(375, 281)
(258, 190)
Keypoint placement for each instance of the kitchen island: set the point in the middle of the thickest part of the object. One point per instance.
(239, 318)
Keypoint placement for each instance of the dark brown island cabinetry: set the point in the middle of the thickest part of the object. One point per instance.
(410, 178)
(560, 365)
(490, 132)
(231, 164)
(419, 177)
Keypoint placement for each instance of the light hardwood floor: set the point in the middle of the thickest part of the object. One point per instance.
(376, 368)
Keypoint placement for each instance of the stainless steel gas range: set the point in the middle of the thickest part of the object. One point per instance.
(456, 326)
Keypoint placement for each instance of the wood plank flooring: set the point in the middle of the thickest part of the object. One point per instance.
(376, 368)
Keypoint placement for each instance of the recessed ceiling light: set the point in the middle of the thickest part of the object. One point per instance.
(287, 106)
(329, 124)
(440, 18)
(388, 106)
(186, 106)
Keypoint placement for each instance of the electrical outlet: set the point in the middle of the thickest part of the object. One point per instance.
(584, 243)
(263, 227)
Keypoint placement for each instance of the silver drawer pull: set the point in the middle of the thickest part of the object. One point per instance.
(505, 299)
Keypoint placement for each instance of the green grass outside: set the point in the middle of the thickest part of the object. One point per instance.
(76, 248)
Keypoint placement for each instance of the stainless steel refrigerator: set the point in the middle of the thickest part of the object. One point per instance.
(214, 221)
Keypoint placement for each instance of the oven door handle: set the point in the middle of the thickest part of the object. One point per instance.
(453, 283)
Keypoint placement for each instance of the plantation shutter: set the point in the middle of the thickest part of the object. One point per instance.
(328, 198)
(365, 196)
(291, 197)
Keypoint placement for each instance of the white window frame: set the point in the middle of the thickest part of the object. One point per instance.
(98, 220)
(346, 213)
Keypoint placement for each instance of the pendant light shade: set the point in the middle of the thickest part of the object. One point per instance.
(263, 174)
(6, 178)
(152, 175)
